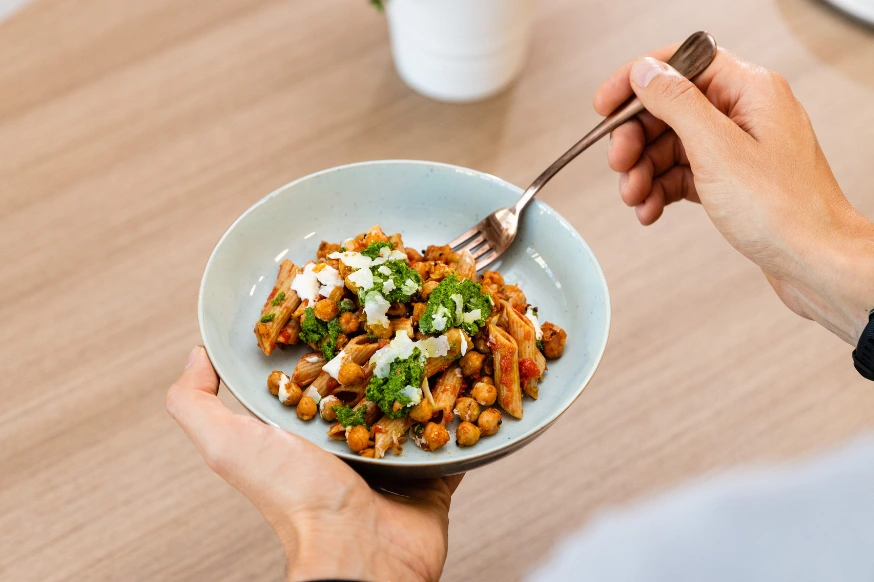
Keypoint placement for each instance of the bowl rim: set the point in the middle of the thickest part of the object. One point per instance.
(440, 461)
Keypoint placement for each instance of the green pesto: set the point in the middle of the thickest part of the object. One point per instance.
(279, 299)
(386, 391)
(400, 272)
(472, 298)
(268, 318)
(539, 345)
(373, 249)
(329, 344)
(349, 417)
(313, 329)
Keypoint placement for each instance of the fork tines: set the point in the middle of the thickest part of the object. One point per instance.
(475, 241)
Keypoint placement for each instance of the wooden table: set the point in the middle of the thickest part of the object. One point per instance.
(133, 133)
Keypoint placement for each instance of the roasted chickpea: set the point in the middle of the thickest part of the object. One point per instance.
(514, 296)
(467, 409)
(342, 340)
(358, 438)
(488, 380)
(306, 408)
(467, 434)
(423, 268)
(435, 436)
(492, 278)
(484, 394)
(273, 381)
(440, 271)
(441, 253)
(326, 310)
(397, 310)
(326, 408)
(423, 411)
(489, 365)
(326, 248)
(413, 255)
(350, 373)
(554, 338)
(349, 322)
(489, 421)
(472, 364)
(418, 310)
(481, 342)
(290, 394)
(428, 287)
(374, 235)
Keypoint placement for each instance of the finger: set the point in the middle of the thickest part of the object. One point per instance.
(674, 185)
(629, 139)
(193, 404)
(666, 94)
(453, 481)
(657, 158)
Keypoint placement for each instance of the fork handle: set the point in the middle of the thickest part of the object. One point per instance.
(693, 56)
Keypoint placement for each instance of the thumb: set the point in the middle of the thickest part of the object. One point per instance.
(675, 100)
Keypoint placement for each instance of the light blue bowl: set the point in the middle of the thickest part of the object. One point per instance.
(429, 203)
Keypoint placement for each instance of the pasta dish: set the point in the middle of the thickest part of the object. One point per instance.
(402, 343)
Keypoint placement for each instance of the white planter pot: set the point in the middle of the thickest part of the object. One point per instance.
(459, 50)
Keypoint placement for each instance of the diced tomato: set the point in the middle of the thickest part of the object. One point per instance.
(527, 370)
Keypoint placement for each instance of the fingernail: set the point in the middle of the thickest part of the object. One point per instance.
(623, 180)
(191, 357)
(645, 70)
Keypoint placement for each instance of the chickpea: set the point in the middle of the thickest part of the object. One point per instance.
(326, 310)
(554, 338)
(435, 436)
(349, 322)
(472, 364)
(428, 287)
(350, 373)
(440, 271)
(293, 392)
(492, 278)
(481, 343)
(326, 408)
(418, 310)
(342, 340)
(467, 434)
(488, 380)
(489, 421)
(484, 394)
(374, 235)
(441, 253)
(306, 408)
(326, 248)
(397, 310)
(273, 381)
(515, 297)
(423, 268)
(423, 411)
(413, 255)
(467, 409)
(358, 438)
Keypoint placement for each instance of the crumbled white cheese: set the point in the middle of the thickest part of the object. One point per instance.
(532, 317)
(375, 307)
(363, 278)
(306, 284)
(352, 259)
(409, 287)
(330, 278)
(283, 388)
(433, 347)
(397, 256)
(312, 358)
(333, 367)
(314, 394)
(400, 348)
(385, 254)
(459, 306)
(463, 345)
(413, 394)
(388, 286)
(441, 318)
(384, 270)
(472, 316)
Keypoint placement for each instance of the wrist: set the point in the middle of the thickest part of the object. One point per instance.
(835, 284)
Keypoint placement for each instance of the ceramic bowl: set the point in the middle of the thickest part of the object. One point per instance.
(428, 203)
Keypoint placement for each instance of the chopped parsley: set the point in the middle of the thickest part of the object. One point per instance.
(539, 345)
(386, 391)
(279, 299)
(453, 301)
(315, 331)
(373, 249)
(268, 318)
(346, 305)
(349, 417)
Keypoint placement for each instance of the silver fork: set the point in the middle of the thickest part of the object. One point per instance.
(492, 236)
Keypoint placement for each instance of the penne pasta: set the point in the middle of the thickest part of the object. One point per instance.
(278, 308)
(388, 433)
(353, 394)
(437, 364)
(446, 392)
(466, 268)
(506, 363)
(522, 330)
(404, 323)
(308, 369)
(358, 350)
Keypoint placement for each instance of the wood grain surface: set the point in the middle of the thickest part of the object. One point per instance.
(133, 133)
